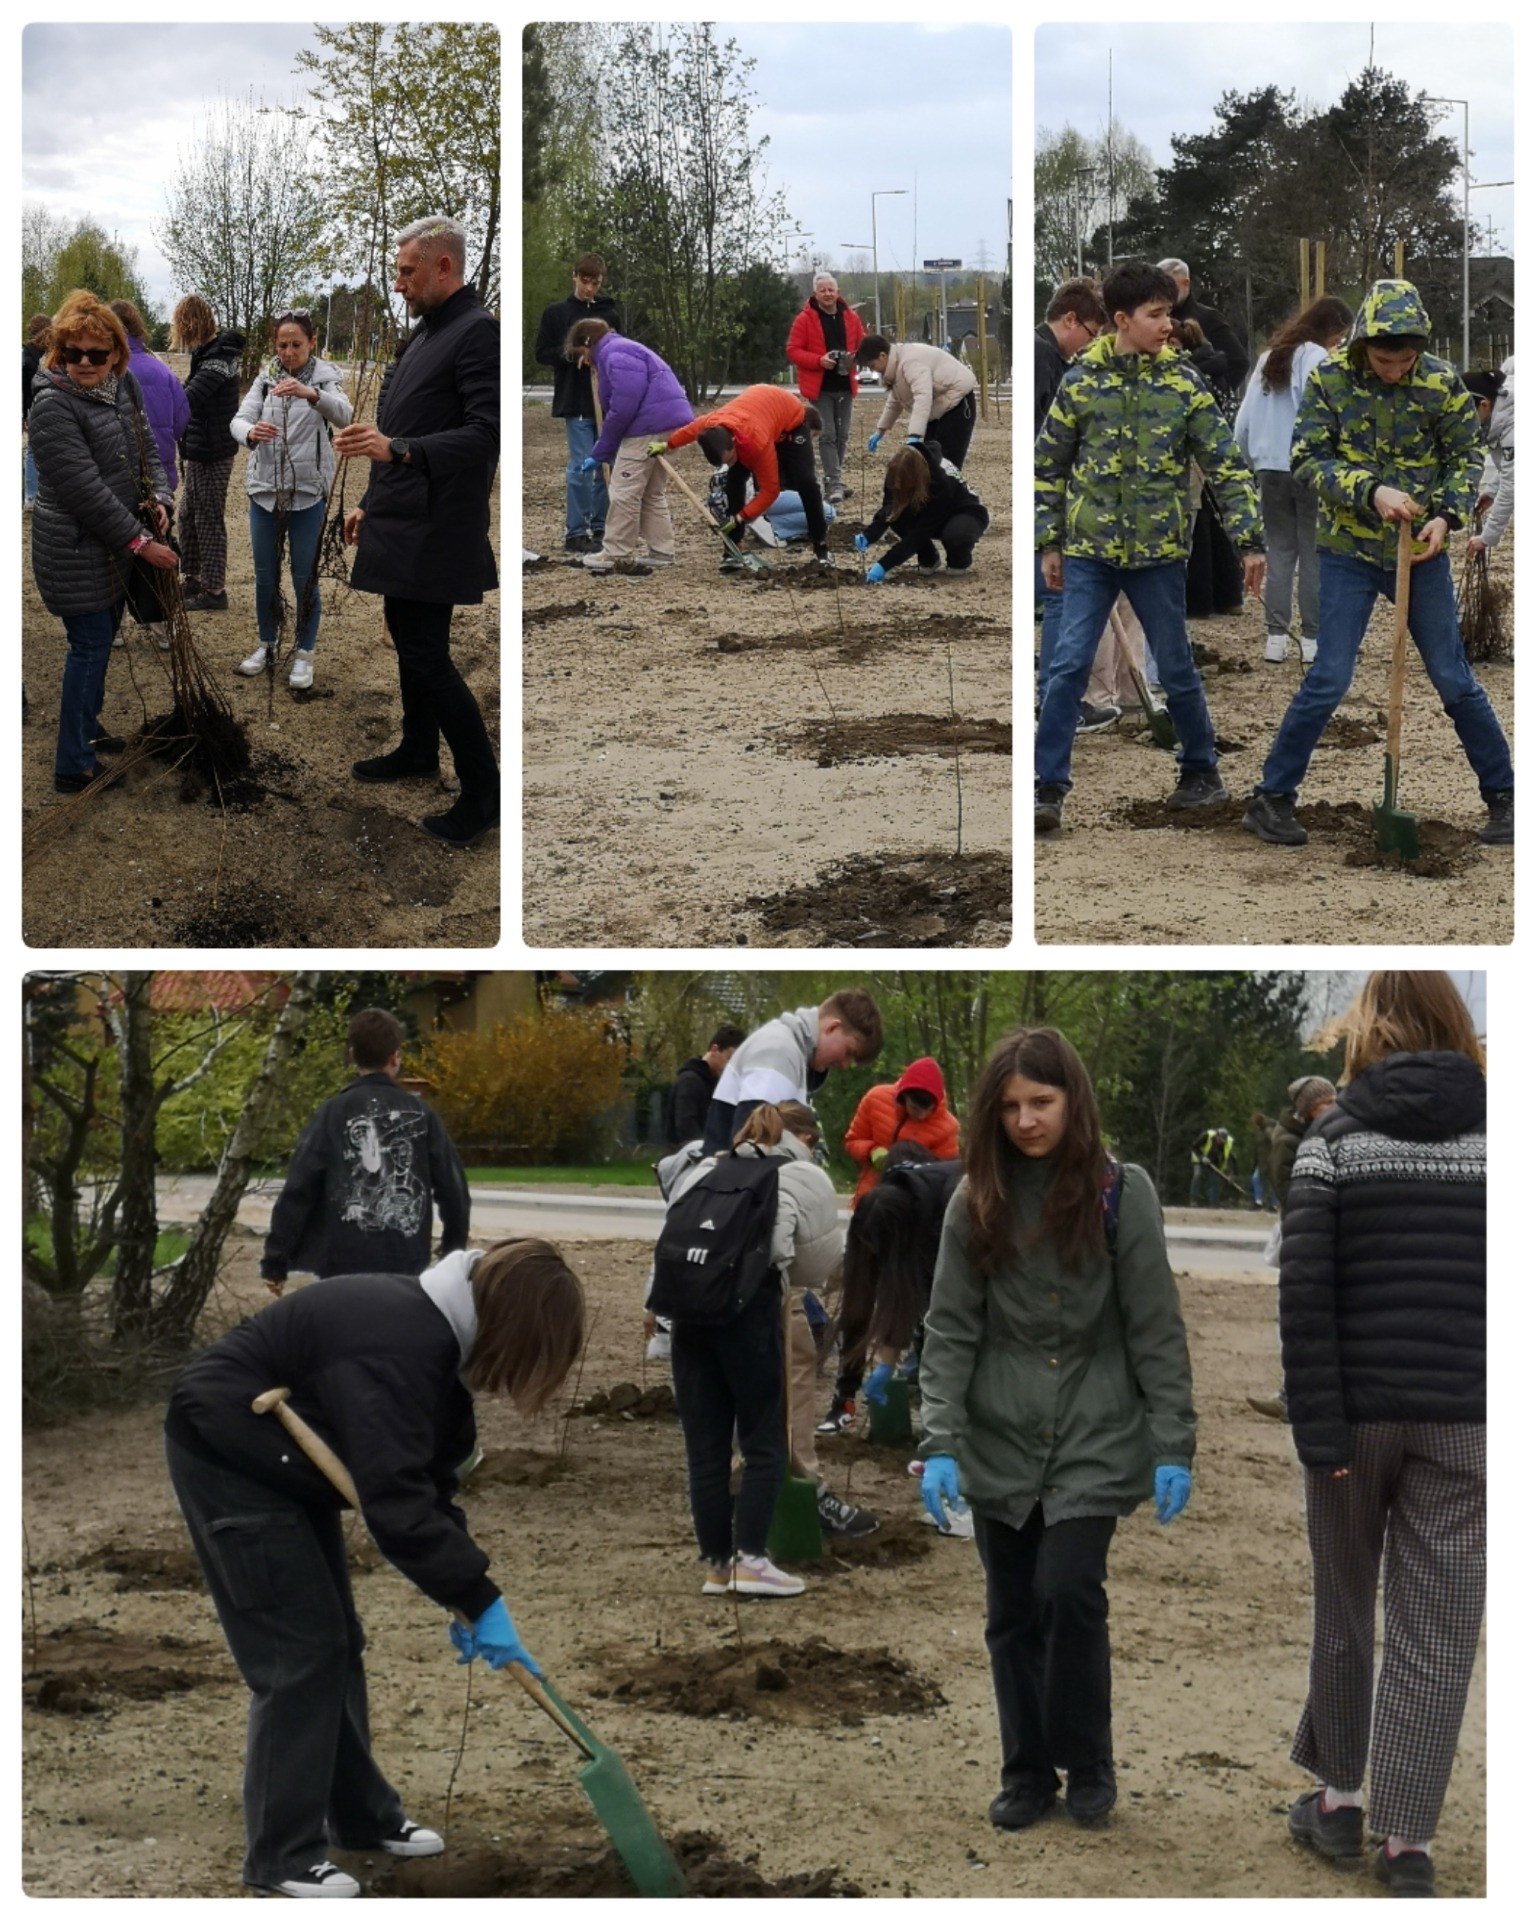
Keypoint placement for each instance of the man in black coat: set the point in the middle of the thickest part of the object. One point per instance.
(422, 531)
(1229, 364)
(694, 1087)
(586, 498)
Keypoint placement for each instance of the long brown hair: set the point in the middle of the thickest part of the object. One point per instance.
(1405, 1012)
(531, 1320)
(1316, 325)
(909, 481)
(1073, 1219)
(192, 323)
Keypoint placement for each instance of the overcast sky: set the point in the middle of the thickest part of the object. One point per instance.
(1168, 80)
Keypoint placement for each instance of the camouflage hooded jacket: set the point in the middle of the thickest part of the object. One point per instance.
(1112, 460)
(1354, 433)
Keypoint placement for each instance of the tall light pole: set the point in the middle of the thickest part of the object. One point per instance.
(1449, 100)
(883, 193)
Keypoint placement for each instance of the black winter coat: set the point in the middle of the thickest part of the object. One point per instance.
(426, 526)
(360, 1187)
(1383, 1260)
(213, 395)
(688, 1102)
(573, 385)
(91, 465)
(948, 495)
(1224, 369)
(1050, 364)
(31, 360)
(372, 1365)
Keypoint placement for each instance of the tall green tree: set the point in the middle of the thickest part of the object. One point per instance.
(766, 302)
(57, 258)
(1083, 186)
(562, 134)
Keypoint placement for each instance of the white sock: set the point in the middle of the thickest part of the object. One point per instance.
(1335, 1797)
(1395, 1846)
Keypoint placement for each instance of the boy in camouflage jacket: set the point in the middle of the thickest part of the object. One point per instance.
(1385, 432)
(1112, 516)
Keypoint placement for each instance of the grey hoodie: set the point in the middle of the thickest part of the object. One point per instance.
(772, 1064)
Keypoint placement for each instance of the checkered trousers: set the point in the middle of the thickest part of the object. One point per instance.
(1411, 1512)
(200, 524)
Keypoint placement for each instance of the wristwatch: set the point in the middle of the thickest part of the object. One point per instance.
(399, 451)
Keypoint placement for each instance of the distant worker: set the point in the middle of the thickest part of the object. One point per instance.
(694, 1088)
(586, 494)
(1210, 1167)
(765, 432)
(823, 339)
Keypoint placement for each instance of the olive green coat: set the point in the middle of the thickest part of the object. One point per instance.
(1067, 1388)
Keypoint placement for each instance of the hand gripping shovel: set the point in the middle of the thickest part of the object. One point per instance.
(749, 560)
(1158, 718)
(603, 1777)
(1397, 831)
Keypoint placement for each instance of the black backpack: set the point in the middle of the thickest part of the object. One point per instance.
(716, 1243)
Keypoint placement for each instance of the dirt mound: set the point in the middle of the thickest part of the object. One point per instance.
(546, 616)
(1343, 731)
(82, 1669)
(514, 1467)
(1210, 661)
(244, 914)
(899, 900)
(628, 1402)
(147, 1569)
(901, 1541)
(1444, 850)
(812, 1684)
(897, 733)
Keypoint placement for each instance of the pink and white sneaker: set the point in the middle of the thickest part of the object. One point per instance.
(717, 1577)
(756, 1574)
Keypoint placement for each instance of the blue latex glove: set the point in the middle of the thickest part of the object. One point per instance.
(587, 465)
(941, 1482)
(914, 439)
(908, 1367)
(493, 1638)
(873, 441)
(875, 575)
(861, 543)
(1171, 1486)
(879, 1379)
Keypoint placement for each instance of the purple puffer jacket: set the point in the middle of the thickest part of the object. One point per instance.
(165, 403)
(639, 394)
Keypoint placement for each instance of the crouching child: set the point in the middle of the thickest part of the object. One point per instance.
(925, 502)
(765, 433)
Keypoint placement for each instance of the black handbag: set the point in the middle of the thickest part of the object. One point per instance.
(142, 582)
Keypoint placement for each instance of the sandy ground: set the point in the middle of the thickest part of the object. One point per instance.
(710, 760)
(844, 1740)
(1121, 872)
(310, 857)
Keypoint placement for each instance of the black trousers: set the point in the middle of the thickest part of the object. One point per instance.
(434, 699)
(729, 1380)
(957, 536)
(1048, 1638)
(797, 473)
(953, 431)
(277, 1571)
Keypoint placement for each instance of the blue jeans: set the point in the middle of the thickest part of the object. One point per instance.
(304, 530)
(1050, 625)
(1156, 595)
(1348, 595)
(28, 474)
(90, 637)
(586, 498)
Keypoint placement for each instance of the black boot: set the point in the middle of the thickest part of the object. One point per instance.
(398, 765)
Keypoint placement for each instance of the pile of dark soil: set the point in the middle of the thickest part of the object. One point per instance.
(84, 1669)
(148, 1569)
(243, 914)
(517, 1467)
(1444, 850)
(813, 1684)
(896, 900)
(1343, 731)
(210, 751)
(545, 616)
(629, 1402)
(893, 733)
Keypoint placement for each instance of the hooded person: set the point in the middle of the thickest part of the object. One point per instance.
(915, 1107)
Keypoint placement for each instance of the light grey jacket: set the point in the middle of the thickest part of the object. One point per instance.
(925, 381)
(773, 1062)
(300, 461)
(1499, 469)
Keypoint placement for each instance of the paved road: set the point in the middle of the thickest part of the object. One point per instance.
(1197, 1246)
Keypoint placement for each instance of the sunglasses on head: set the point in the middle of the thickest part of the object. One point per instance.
(98, 356)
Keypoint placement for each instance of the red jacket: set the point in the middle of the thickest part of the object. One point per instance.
(758, 416)
(807, 343)
(879, 1122)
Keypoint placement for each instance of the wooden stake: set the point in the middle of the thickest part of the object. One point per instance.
(981, 337)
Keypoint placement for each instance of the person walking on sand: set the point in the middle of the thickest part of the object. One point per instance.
(640, 397)
(823, 338)
(213, 394)
(422, 528)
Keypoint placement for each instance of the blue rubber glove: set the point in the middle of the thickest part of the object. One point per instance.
(861, 543)
(1171, 1486)
(908, 1367)
(941, 1482)
(879, 1379)
(463, 1639)
(587, 465)
(873, 441)
(494, 1640)
(875, 575)
(914, 439)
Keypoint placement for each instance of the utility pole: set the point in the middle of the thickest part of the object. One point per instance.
(882, 193)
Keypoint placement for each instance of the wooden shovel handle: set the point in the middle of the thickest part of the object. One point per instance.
(740, 552)
(1399, 644)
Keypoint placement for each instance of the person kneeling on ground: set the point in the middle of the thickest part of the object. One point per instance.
(1386, 433)
(1130, 403)
(383, 1367)
(640, 396)
(765, 432)
(925, 501)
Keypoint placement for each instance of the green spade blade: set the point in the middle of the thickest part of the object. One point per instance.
(1396, 830)
(617, 1804)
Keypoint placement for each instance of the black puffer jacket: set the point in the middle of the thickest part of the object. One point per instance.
(1383, 1264)
(948, 496)
(213, 394)
(89, 474)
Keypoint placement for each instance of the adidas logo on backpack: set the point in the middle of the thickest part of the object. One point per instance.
(709, 1282)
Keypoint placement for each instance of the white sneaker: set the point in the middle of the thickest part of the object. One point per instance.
(598, 563)
(1308, 651)
(1276, 647)
(302, 673)
(323, 1882)
(162, 635)
(659, 1346)
(756, 1574)
(413, 1842)
(660, 559)
(253, 663)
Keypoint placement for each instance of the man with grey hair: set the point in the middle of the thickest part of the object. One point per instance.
(822, 342)
(422, 528)
(1227, 376)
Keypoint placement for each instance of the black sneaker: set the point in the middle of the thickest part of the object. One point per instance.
(77, 782)
(1272, 816)
(320, 1882)
(1091, 1792)
(842, 1417)
(1410, 1874)
(109, 743)
(838, 1517)
(823, 557)
(1197, 788)
(1499, 832)
(463, 824)
(582, 543)
(1048, 805)
(398, 765)
(1092, 719)
(413, 1842)
(207, 603)
(1024, 1802)
(1336, 1836)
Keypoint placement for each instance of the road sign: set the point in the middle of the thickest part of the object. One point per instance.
(942, 263)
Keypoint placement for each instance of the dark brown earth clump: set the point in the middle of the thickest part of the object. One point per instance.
(897, 900)
(900, 733)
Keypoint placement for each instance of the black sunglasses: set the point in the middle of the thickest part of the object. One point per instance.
(98, 356)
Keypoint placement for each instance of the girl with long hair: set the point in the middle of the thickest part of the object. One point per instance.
(1056, 1398)
(926, 505)
(1383, 1283)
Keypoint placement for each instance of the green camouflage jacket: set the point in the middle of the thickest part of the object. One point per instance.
(1354, 434)
(1112, 460)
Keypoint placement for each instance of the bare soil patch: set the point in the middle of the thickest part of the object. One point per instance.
(895, 733)
(806, 1683)
(898, 900)
(656, 811)
(1444, 851)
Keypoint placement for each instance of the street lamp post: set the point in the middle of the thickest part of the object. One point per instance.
(1449, 100)
(1077, 208)
(883, 193)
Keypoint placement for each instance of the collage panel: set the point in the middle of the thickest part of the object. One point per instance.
(767, 488)
(261, 392)
(1274, 485)
(981, 1393)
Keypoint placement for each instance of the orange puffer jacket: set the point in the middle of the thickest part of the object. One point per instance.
(879, 1121)
(757, 417)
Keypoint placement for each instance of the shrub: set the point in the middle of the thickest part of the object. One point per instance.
(535, 1088)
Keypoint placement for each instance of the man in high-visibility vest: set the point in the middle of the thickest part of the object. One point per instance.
(1210, 1159)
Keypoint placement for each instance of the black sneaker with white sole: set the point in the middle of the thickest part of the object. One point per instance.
(1198, 787)
(413, 1842)
(1094, 719)
(1272, 817)
(842, 1417)
(1048, 805)
(320, 1882)
(836, 1516)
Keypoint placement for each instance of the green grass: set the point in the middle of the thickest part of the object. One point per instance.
(170, 1246)
(616, 1173)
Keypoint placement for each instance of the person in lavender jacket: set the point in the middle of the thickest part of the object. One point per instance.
(641, 400)
(165, 408)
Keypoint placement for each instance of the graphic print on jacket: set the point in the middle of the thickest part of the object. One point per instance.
(381, 1192)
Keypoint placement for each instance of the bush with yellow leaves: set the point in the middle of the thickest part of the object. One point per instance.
(535, 1088)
